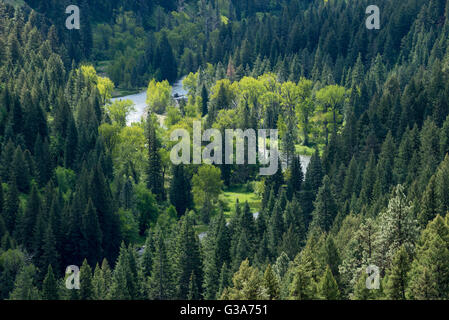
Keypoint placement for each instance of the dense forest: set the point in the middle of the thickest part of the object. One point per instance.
(82, 186)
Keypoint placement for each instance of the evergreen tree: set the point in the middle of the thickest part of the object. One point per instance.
(327, 287)
(430, 269)
(86, 288)
(155, 180)
(24, 286)
(397, 228)
(204, 101)
(296, 178)
(11, 209)
(188, 259)
(161, 282)
(92, 234)
(50, 286)
(397, 276)
(325, 206)
(180, 190)
(271, 283)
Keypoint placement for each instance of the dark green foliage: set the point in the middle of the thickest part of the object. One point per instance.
(155, 180)
(325, 207)
(188, 261)
(66, 199)
(50, 286)
(180, 190)
(161, 284)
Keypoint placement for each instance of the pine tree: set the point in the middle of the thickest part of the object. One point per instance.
(161, 283)
(216, 254)
(325, 206)
(11, 208)
(276, 229)
(327, 287)
(92, 234)
(397, 276)
(429, 272)
(397, 228)
(119, 289)
(155, 180)
(25, 286)
(20, 171)
(180, 190)
(86, 289)
(247, 284)
(147, 258)
(50, 255)
(50, 286)
(303, 286)
(429, 204)
(98, 285)
(271, 283)
(188, 259)
(30, 218)
(193, 289)
(204, 101)
(442, 186)
(312, 183)
(296, 178)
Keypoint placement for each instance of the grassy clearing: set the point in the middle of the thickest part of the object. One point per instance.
(241, 193)
(304, 150)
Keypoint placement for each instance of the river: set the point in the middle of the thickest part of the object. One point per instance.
(140, 102)
(178, 91)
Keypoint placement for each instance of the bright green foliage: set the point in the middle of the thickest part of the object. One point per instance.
(397, 276)
(159, 96)
(327, 287)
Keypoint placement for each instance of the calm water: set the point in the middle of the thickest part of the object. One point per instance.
(140, 101)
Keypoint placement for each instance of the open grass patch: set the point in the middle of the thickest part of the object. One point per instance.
(241, 192)
(304, 150)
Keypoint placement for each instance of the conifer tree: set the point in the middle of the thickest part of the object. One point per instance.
(11, 209)
(86, 288)
(180, 190)
(429, 204)
(442, 187)
(50, 286)
(155, 180)
(271, 283)
(161, 283)
(30, 218)
(119, 289)
(397, 283)
(92, 234)
(397, 228)
(302, 286)
(50, 255)
(24, 285)
(20, 171)
(189, 259)
(429, 272)
(296, 178)
(193, 289)
(216, 254)
(204, 101)
(327, 287)
(98, 285)
(325, 206)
